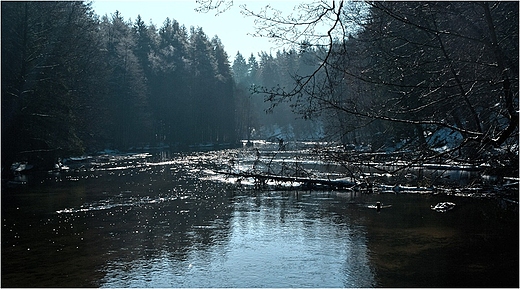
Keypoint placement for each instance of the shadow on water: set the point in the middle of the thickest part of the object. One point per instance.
(473, 245)
(165, 220)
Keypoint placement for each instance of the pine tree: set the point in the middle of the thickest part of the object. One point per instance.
(240, 69)
(128, 104)
(224, 95)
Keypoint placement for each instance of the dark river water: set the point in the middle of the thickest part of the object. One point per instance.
(167, 220)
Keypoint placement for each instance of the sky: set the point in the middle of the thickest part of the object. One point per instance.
(231, 27)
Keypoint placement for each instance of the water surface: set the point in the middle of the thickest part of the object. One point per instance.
(166, 220)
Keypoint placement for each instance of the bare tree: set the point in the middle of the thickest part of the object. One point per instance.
(440, 78)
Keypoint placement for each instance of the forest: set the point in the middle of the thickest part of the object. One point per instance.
(75, 82)
(436, 78)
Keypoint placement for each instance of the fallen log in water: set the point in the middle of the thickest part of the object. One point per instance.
(405, 189)
(306, 182)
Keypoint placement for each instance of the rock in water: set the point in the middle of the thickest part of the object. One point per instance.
(443, 207)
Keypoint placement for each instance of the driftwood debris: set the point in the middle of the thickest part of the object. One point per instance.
(339, 184)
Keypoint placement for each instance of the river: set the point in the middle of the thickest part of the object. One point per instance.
(165, 219)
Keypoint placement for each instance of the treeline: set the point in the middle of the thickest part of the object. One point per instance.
(74, 82)
(421, 76)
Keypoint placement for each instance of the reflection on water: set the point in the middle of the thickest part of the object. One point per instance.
(270, 240)
(164, 220)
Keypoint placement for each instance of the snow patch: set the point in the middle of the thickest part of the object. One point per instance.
(444, 139)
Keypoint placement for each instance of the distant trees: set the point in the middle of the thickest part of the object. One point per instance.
(277, 71)
(168, 85)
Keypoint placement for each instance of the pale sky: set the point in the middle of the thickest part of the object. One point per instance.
(231, 26)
